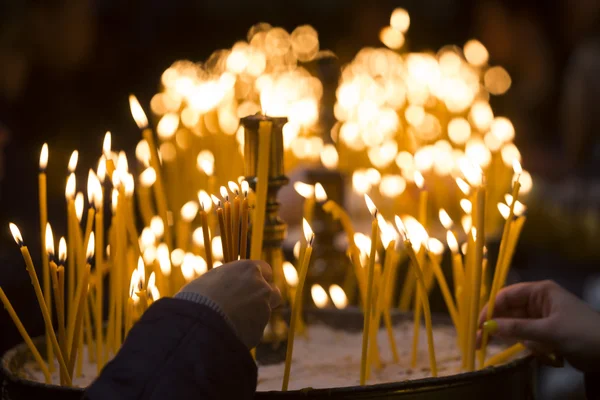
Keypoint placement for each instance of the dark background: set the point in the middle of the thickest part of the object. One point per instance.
(67, 67)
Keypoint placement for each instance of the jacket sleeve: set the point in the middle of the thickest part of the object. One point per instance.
(178, 350)
(592, 385)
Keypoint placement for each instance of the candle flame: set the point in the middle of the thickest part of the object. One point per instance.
(164, 259)
(245, 187)
(388, 233)
(133, 284)
(296, 250)
(445, 219)
(91, 185)
(371, 205)
(419, 179)
(167, 126)
(200, 266)
(206, 162)
(463, 186)
(71, 186)
(363, 242)
(141, 268)
(415, 231)
(107, 144)
(142, 152)
(464, 247)
(154, 293)
(217, 264)
(466, 206)
(304, 189)
(217, 247)
(79, 205)
(204, 200)
(401, 227)
(338, 297)
(329, 156)
(320, 194)
(177, 257)
(157, 226)
(319, 295)
(467, 222)
(518, 170)
(290, 273)
(504, 210)
(233, 187)
(101, 170)
(151, 279)
(73, 161)
(138, 112)
(526, 183)
(308, 232)
(122, 163)
(452, 242)
(198, 237)
(49, 240)
(189, 211)
(114, 200)
(44, 157)
(187, 268)
(224, 193)
(147, 238)
(16, 233)
(471, 171)
(360, 182)
(216, 200)
(62, 250)
(148, 177)
(474, 233)
(435, 246)
(89, 254)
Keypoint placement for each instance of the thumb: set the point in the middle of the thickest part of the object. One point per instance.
(522, 329)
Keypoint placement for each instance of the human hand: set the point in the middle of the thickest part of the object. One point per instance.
(243, 291)
(548, 319)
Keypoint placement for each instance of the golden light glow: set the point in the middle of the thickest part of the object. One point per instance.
(467, 223)
(157, 226)
(338, 297)
(452, 242)
(296, 250)
(151, 281)
(474, 233)
(419, 179)
(142, 152)
(107, 144)
(482, 115)
(233, 187)
(329, 156)
(62, 250)
(517, 169)
(459, 130)
(471, 172)
(497, 80)
(392, 185)
(401, 227)
(245, 187)
(147, 238)
(463, 186)
(141, 269)
(466, 206)
(133, 286)
(206, 162)
(204, 200)
(400, 20)
(492, 142)
(154, 293)
(217, 247)
(319, 296)
(217, 264)
(148, 177)
(16, 233)
(129, 184)
(93, 184)
(435, 246)
(44, 157)
(370, 205)
(167, 126)
(49, 240)
(150, 255)
(290, 273)
(360, 182)
(101, 170)
(79, 205)
(503, 129)
(363, 242)
(308, 232)
(391, 37)
(164, 259)
(519, 208)
(73, 161)
(189, 211)
(526, 183)
(187, 267)
(177, 256)
(476, 53)
(114, 199)
(89, 254)
(138, 112)
(215, 200)
(388, 233)
(224, 192)
(445, 219)
(414, 230)
(71, 186)
(510, 154)
(305, 190)
(320, 194)
(200, 266)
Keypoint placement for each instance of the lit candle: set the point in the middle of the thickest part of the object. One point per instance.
(227, 214)
(147, 179)
(235, 219)
(370, 277)
(205, 206)
(439, 274)
(244, 217)
(43, 203)
(72, 240)
(159, 194)
(62, 256)
(306, 254)
(222, 228)
(424, 299)
(96, 196)
(388, 237)
(26, 338)
(107, 153)
(40, 298)
(291, 277)
(262, 184)
(308, 193)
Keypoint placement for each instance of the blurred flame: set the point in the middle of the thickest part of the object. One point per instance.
(107, 144)
(142, 152)
(452, 242)
(73, 161)
(141, 269)
(206, 162)
(392, 185)
(320, 194)
(217, 247)
(44, 157)
(245, 187)
(319, 295)
(198, 237)
(101, 170)
(445, 219)
(305, 190)
(187, 266)
(329, 156)
(474, 233)
(49, 240)
(516, 165)
(224, 193)
(138, 112)
(419, 179)
(233, 187)
(147, 238)
(204, 200)
(71, 186)
(16, 233)
(308, 232)
(157, 226)
(338, 297)
(177, 257)
(290, 273)
(463, 186)
(467, 222)
(133, 286)
(400, 20)
(200, 266)
(435, 246)
(216, 200)
(164, 259)
(89, 254)
(79, 205)
(148, 177)
(296, 250)
(167, 126)
(466, 206)
(62, 250)
(189, 211)
(370, 205)
(476, 53)
(414, 230)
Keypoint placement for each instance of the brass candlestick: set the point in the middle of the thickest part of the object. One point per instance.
(274, 228)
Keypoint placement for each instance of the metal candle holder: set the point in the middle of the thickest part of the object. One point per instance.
(275, 228)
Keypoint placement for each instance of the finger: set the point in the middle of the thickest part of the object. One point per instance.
(275, 300)
(512, 301)
(265, 270)
(522, 329)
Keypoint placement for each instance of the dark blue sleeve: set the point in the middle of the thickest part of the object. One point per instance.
(178, 350)
(592, 385)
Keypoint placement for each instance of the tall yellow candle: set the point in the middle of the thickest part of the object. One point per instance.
(244, 223)
(228, 223)
(304, 263)
(26, 338)
(81, 303)
(235, 219)
(222, 229)
(369, 299)
(205, 206)
(72, 242)
(42, 195)
(40, 298)
(262, 184)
